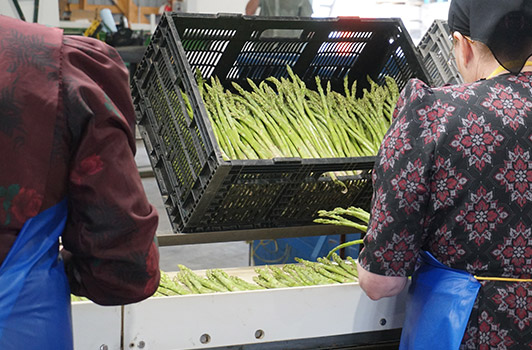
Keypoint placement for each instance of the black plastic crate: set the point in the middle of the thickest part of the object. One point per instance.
(203, 192)
(436, 49)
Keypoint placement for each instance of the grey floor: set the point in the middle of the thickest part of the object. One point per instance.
(196, 256)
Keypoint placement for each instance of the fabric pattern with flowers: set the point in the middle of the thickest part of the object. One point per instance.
(453, 176)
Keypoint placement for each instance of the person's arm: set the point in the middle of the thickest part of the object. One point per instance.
(251, 7)
(109, 239)
(379, 286)
(401, 195)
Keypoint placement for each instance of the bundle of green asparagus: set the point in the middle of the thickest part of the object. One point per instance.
(305, 273)
(340, 216)
(283, 118)
(329, 270)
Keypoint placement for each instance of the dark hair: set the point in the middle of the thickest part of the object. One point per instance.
(505, 26)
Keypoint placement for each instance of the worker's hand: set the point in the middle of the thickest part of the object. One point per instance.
(251, 7)
(379, 286)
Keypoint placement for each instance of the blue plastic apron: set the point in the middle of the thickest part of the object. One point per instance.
(34, 293)
(440, 300)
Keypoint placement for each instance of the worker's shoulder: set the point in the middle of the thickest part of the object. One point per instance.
(90, 46)
(30, 33)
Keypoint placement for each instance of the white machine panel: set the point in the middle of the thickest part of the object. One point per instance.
(96, 327)
(250, 317)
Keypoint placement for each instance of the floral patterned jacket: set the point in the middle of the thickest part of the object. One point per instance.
(454, 177)
(66, 131)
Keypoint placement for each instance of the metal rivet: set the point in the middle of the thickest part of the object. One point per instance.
(141, 345)
(104, 347)
(205, 338)
(382, 321)
(259, 334)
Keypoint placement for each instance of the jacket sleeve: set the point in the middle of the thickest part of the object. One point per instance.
(401, 187)
(111, 253)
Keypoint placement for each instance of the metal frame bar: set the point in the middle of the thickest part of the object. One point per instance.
(255, 234)
(35, 11)
(19, 10)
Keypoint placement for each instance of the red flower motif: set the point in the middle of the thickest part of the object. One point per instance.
(418, 90)
(410, 186)
(516, 302)
(490, 334)
(477, 141)
(88, 166)
(397, 256)
(481, 216)
(522, 303)
(524, 80)
(26, 204)
(516, 175)
(508, 105)
(380, 215)
(433, 119)
(483, 213)
(515, 253)
(484, 138)
(395, 143)
(463, 92)
(447, 249)
(476, 266)
(518, 252)
(399, 105)
(447, 182)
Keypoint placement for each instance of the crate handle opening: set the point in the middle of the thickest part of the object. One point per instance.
(287, 160)
(281, 34)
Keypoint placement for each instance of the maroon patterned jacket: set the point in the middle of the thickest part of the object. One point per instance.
(66, 130)
(454, 177)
